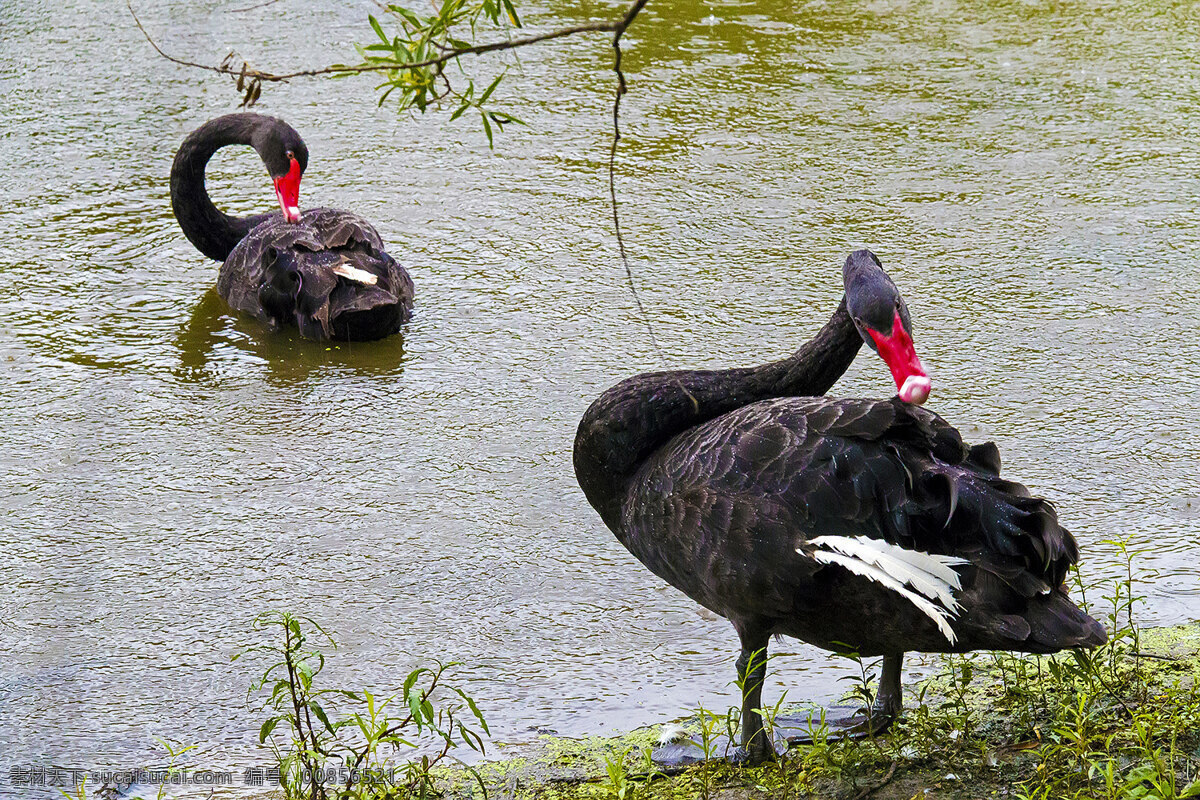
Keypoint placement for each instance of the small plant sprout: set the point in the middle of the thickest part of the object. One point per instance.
(337, 744)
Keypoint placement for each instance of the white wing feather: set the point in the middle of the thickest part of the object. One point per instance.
(928, 573)
(938, 566)
(897, 568)
(355, 274)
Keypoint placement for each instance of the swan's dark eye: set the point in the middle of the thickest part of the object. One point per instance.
(291, 156)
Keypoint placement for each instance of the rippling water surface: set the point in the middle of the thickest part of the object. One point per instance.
(1028, 171)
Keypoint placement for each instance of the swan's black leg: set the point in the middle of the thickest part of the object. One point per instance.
(890, 699)
(757, 742)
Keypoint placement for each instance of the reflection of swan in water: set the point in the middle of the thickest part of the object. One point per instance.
(323, 271)
(214, 341)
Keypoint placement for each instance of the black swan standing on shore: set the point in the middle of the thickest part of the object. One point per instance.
(854, 525)
(323, 270)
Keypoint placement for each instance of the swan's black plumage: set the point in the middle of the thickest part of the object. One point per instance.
(721, 510)
(718, 481)
(326, 272)
(260, 277)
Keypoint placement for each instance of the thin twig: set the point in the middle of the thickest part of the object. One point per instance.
(622, 88)
(870, 790)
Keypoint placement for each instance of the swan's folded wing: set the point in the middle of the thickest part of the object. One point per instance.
(341, 229)
(902, 474)
(881, 469)
(728, 551)
(326, 245)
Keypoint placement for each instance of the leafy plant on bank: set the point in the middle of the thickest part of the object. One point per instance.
(335, 744)
(1094, 724)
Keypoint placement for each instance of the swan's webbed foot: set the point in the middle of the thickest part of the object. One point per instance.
(690, 750)
(842, 723)
(757, 744)
(861, 723)
(760, 743)
(760, 755)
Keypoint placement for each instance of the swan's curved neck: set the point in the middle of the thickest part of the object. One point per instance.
(214, 233)
(632, 420)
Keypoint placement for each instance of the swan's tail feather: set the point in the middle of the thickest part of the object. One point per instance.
(1042, 623)
(997, 525)
(1056, 623)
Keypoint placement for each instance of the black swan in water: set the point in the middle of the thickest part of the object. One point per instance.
(854, 525)
(323, 270)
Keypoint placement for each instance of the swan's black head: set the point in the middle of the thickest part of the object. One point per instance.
(881, 316)
(286, 157)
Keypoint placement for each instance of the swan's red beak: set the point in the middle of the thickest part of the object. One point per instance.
(287, 192)
(897, 352)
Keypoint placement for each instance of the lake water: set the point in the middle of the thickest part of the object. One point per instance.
(1028, 172)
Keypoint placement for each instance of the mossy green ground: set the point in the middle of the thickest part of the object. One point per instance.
(984, 727)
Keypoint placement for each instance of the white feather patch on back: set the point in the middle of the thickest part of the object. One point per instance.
(898, 569)
(355, 274)
(939, 615)
(938, 566)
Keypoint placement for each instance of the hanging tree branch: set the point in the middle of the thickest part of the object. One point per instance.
(425, 44)
(622, 88)
(349, 69)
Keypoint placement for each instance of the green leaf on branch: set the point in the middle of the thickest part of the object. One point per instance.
(487, 128)
(379, 30)
(266, 728)
(412, 53)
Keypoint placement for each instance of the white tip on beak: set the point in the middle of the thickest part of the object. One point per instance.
(915, 389)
